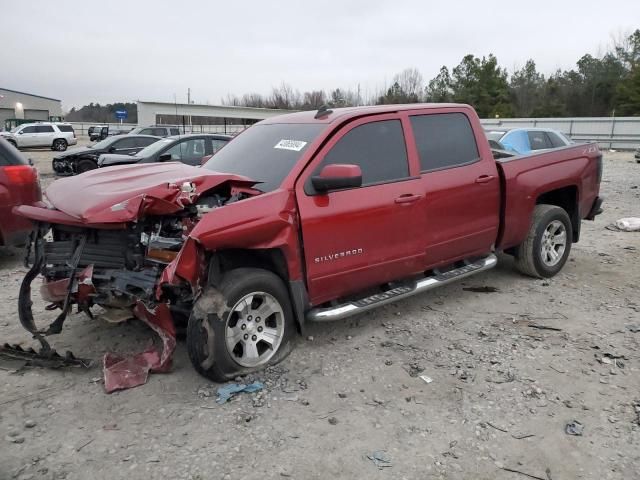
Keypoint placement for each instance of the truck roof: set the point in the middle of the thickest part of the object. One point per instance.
(341, 114)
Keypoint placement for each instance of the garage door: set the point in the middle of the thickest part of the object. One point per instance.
(4, 114)
(36, 114)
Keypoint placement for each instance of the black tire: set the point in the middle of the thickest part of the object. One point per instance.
(530, 259)
(59, 145)
(85, 165)
(207, 327)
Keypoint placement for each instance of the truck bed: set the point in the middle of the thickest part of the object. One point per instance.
(560, 173)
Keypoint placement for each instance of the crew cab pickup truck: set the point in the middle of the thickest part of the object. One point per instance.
(309, 216)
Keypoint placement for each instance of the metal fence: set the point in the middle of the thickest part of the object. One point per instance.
(81, 128)
(610, 132)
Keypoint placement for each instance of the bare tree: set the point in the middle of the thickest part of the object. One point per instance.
(411, 83)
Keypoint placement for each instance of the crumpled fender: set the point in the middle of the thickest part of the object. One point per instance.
(262, 222)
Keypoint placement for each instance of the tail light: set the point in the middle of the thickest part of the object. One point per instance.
(599, 167)
(21, 174)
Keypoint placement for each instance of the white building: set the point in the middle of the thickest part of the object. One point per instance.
(153, 113)
(14, 104)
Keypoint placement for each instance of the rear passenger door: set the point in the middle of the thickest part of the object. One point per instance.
(45, 135)
(461, 190)
(360, 237)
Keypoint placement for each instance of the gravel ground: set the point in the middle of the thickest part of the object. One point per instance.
(501, 394)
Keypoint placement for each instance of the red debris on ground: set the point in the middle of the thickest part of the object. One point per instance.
(127, 372)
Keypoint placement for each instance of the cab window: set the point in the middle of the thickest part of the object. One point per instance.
(378, 148)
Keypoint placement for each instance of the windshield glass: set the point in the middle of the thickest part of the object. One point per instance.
(154, 148)
(265, 153)
(495, 135)
(15, 129)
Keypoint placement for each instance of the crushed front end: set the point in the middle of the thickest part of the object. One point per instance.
(118, 263)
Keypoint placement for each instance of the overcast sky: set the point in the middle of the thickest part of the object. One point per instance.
(105, 51)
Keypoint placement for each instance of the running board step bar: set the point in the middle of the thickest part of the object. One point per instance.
(439, 279)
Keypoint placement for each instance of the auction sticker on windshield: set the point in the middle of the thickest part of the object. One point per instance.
(295, 145)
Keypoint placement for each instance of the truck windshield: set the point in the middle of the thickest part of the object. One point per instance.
(265, 153)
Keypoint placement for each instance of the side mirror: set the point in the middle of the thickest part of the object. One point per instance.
(20, 132)
(165, 157)
(336, 176)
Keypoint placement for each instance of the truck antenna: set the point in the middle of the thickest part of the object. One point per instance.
(323, 111)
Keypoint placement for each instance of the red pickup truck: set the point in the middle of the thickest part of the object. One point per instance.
(309, 216)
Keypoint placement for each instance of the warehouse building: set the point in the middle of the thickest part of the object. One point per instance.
(150, 113)
(27, 106)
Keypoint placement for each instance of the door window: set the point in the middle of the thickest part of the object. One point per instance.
(159, 132)
(44, 129)
(144, 142)
(378, 148)
(188, 151)
(29, 130)
(444, 141)
(126, 143)
(146, 131)
(217, 144)
(175, 131)
(539, 140)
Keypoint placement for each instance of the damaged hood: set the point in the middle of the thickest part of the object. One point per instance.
(125, 193)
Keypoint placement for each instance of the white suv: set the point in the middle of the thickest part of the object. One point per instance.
(56, 136)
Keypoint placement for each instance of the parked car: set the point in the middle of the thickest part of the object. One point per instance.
(189, 149)
(525, 140)
(57, 136)
(100, 132)
(309, 216)
(637, 155)
(82, 159)
(19, 184)
(157, 130)
(97, 132)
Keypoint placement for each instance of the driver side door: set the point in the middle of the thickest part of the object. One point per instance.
(360, 237)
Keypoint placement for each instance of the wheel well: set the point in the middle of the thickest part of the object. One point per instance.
(268, 259)
(567, 199)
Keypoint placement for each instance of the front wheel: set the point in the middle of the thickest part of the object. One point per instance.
(546, 248)
(85, 165)
(242, 326)
(59, 145)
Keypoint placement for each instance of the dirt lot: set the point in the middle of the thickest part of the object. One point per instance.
(501, 395)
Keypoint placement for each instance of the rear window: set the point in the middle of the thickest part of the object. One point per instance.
(556, 141)
(65, 128)
(539, 140)
(444, 140)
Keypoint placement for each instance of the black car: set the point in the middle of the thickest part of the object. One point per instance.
(637, 155)
(82, 159)
(190, 149)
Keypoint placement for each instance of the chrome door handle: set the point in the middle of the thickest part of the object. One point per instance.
(408, 198)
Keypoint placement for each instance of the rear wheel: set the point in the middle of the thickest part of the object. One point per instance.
(242, 326)
(59, 145)
(86, 165)
(546, 248)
